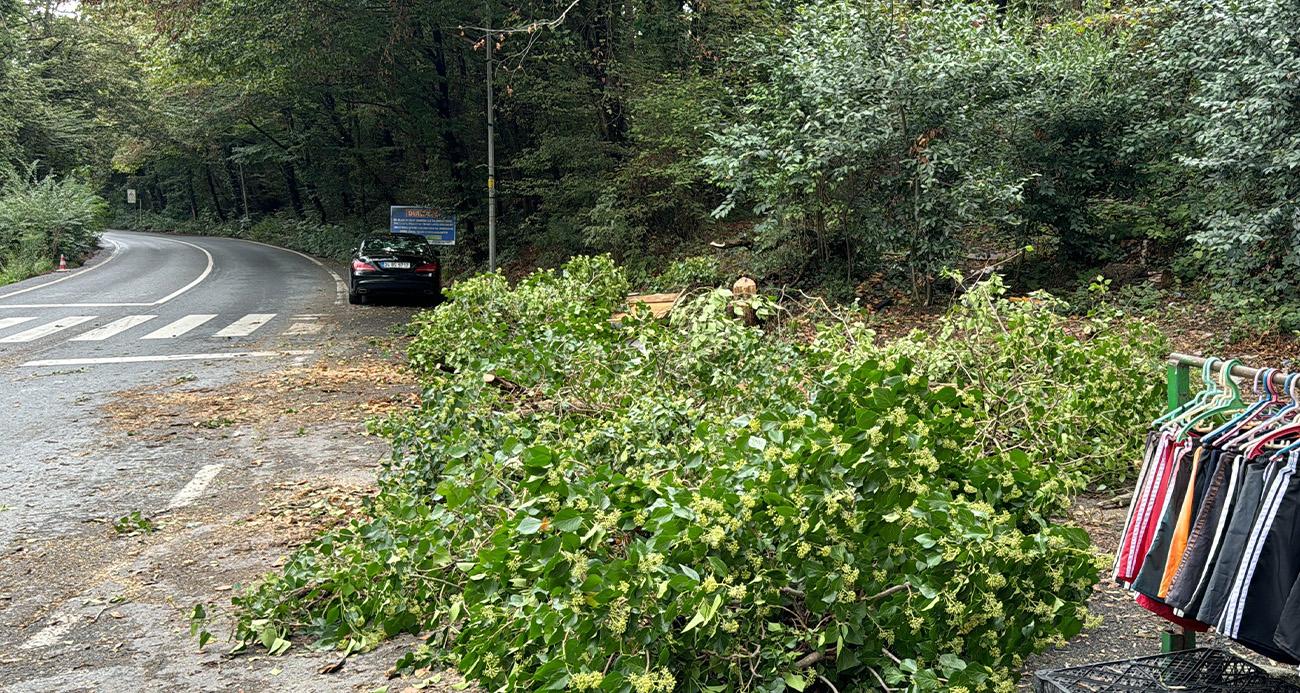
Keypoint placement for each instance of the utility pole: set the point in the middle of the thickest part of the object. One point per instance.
(492, 161)
(243, 188)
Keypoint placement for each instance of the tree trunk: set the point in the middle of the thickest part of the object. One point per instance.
(212, 190)
(194, 203)
(158, 195)
(291, 183)
(235, 185)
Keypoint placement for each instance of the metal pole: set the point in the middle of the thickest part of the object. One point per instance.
(1244, 372)
(243, 188)
(492, 161)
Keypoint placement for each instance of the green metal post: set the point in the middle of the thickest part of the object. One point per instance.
(1180, 384)
(1180, 391)
(1177, 640)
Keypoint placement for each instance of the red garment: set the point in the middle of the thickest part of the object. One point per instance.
(1153, 469)
(1147, 518)
(1167, 612)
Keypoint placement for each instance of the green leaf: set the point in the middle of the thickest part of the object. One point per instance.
(952, 662)
(926, 680)
(794, 681)
(529, 525)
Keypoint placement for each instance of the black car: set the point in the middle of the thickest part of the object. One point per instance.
(395, 264)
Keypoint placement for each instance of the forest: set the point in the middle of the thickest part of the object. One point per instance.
(834, 145)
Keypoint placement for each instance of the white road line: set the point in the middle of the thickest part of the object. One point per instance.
(206, 271)
(117, 247)
(195, 488)
(48, 329)
(180, 327)
(77, 305)
(300, 328)
(112, 328)
(245, 325)
(49, 635)
(218, 356)
(10, 322)
(191, 285)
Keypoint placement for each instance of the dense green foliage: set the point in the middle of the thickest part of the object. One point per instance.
(52, 87)
(827, 141)
(1080, 391)
(43, 218)
(649, 506)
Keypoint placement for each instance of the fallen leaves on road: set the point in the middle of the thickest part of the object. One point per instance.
(326, 391)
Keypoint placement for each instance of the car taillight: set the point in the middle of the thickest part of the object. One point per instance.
(428, 268)
(359, 266)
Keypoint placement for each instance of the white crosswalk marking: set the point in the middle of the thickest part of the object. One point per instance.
(301, 328)
(246, 325)
(179, 327)
(48, 329)
(112, 328)
(10, 322)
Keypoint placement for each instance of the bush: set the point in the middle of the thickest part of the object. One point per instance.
(689, 272)
(43, 218)
(656, 507)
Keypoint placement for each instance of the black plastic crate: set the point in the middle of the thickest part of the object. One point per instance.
(1203, 670)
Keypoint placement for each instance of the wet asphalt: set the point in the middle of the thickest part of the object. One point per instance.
(86, 608)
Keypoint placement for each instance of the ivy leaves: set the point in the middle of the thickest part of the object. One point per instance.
(703, 505)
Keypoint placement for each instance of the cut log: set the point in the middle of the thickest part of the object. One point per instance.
(745, 289)
(659, 304)
(499, 382)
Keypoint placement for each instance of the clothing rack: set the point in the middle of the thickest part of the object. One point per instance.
(1180, 376)
(1179, 383)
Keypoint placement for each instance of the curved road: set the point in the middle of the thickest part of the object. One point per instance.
(147, 310)
(114, 307)
(184, 318)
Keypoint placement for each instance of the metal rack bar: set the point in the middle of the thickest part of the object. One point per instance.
(1184, 362)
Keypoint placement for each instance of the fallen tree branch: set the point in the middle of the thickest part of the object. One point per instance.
(812, 658)
(879, 680)
(499, 382)
(891, 590)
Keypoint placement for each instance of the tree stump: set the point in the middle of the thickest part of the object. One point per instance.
(743, 290)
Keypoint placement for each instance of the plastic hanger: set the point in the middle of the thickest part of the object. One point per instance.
(1268, 398)
(1281, 432)
(1243, 438)
(1228, 400)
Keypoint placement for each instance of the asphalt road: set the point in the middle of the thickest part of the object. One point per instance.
(85, 608)
(148, 309)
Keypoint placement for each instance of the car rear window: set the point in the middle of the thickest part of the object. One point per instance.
(397, 244)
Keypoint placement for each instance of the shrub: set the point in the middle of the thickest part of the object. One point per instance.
(700, 270)
(42, 218)
(705, 505)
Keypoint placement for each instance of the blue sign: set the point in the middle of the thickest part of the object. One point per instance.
(427, 222)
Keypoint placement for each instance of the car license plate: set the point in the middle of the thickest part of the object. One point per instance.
(395, 265)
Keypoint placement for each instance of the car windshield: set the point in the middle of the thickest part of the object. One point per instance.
(397, 244)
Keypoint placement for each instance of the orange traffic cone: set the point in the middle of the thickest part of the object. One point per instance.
(63, 264)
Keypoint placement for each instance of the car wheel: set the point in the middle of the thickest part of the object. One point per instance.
(354, 298)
